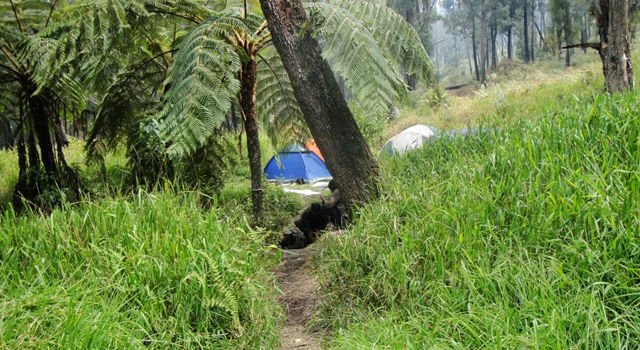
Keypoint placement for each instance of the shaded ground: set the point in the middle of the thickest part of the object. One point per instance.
(300, 298)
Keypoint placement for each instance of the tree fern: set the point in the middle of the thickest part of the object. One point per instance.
(370, 46)
(395, 36)
(278, 109)
(203, 82)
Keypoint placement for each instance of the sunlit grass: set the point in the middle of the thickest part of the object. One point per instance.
(523, 239)
(513, 93)
(153, 271)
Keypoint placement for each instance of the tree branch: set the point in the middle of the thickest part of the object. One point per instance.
(143, 63)
(53, 5)
(275, 74)
(11, 58)
(595, 46)
(195, 19)
(10, 70)
(15, 13)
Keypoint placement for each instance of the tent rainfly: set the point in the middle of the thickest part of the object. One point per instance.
(408, 139)
(295, 163)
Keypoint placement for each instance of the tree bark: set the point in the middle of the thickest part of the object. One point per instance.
(512, 17)
(612, 17)
(40, 117)
(475, 49)
(567, 31)
(526, 31)
(325, 111)
(483, 48)
(494, 38)
(532, 20)
(510, 43)
(248, 78)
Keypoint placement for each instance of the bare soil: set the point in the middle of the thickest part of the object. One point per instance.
(300, 298)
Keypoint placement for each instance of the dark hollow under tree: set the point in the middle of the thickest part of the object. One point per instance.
(325, 111)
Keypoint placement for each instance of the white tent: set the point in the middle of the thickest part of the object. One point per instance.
(408, 139)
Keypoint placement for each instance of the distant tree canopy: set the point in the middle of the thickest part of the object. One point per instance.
(501, 30)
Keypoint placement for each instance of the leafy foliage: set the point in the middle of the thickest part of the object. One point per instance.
(370, 46)
(203, 83)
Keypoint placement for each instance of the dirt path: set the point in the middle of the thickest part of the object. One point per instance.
(300, 298)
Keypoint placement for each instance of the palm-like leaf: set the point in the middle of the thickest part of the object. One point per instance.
(278, 108)
(369, 45)
(203, 82)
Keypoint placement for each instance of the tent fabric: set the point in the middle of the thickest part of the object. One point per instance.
(311, 146)
(408, 139)
(295, 162)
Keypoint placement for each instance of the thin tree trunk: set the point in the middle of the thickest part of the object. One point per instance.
(248, 76)
(475, 49)
(531, 31)
(526, 31)
(325, 111)
(567, 32)
(469, 60)
(483, 48)
(543, 23)
(512, 17)
(510, 43)
(494, 38)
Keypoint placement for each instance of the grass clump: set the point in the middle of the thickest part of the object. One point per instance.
(153, 271)
(523, 239)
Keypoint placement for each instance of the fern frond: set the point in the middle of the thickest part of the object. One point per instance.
(393, 34)
(125, 103)
(278, 109)
(354, 54)
(370, 47)
(203, 83)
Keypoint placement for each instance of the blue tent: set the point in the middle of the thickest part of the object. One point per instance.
(295, 162)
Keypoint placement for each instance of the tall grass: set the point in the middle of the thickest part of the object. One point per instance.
(152, 271)
(517, 91)
(526, 239)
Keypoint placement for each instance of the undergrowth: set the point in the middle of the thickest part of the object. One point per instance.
(148, 271)
(523, 239)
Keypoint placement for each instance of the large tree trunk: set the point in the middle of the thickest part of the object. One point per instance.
(325, 111)
(612, 17)
(248, 77)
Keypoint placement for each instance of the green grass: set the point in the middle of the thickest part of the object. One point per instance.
(527, 239)
(517, 91)
(151, 271)
(8, 175)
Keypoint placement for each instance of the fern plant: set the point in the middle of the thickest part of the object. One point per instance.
(37, 71)
(367, 43)
(225, 58)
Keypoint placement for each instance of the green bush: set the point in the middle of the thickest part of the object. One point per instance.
(526, 239)
(279, 207)
(153, 271)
